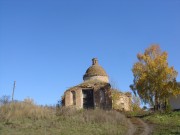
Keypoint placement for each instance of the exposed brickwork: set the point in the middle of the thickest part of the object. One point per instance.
(121, 101)
(68, 98)
(96, 87)
(97, 80)
(79, 101)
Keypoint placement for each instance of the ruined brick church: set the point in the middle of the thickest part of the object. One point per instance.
(96, 92)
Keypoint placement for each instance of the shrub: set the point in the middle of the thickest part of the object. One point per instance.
(4, 100)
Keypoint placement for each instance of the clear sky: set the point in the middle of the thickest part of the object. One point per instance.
(47, 45)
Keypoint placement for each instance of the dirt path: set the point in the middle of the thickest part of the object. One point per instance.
(138, 127)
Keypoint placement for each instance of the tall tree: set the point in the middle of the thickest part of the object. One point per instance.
(154, 80)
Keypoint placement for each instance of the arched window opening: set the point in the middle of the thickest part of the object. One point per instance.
(73, 97)
(102, 96)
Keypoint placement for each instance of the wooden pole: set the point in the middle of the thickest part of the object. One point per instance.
(13, 91)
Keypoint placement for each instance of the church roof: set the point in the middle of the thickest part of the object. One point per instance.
(95, 69)
(91, 84)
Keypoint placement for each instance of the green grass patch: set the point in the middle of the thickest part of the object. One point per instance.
(165, 123)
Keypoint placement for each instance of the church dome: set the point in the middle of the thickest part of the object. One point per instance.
(95, 72)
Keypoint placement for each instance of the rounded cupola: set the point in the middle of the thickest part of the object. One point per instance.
(95, 72)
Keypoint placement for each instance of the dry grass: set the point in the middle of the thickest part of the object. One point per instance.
(25, 109)
(93, 116)
(26, 118)
(94, 121)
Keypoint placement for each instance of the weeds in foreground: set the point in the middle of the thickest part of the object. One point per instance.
(25, 109)
(27, 118)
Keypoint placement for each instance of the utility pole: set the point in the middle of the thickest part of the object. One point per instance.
(13, 90)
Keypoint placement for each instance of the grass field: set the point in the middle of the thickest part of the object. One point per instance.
(28, 119)
(164, 123)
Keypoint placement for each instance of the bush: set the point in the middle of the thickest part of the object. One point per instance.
(4, 100)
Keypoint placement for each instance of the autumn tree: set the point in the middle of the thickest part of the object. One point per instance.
(154, 81)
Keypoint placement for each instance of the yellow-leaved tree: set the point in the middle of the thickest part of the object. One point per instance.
(154, 81)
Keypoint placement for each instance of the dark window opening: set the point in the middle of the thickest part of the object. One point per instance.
(102, 96)
(88, 98)
(74, 97)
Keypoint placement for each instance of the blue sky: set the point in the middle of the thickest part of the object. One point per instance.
(46, 46)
